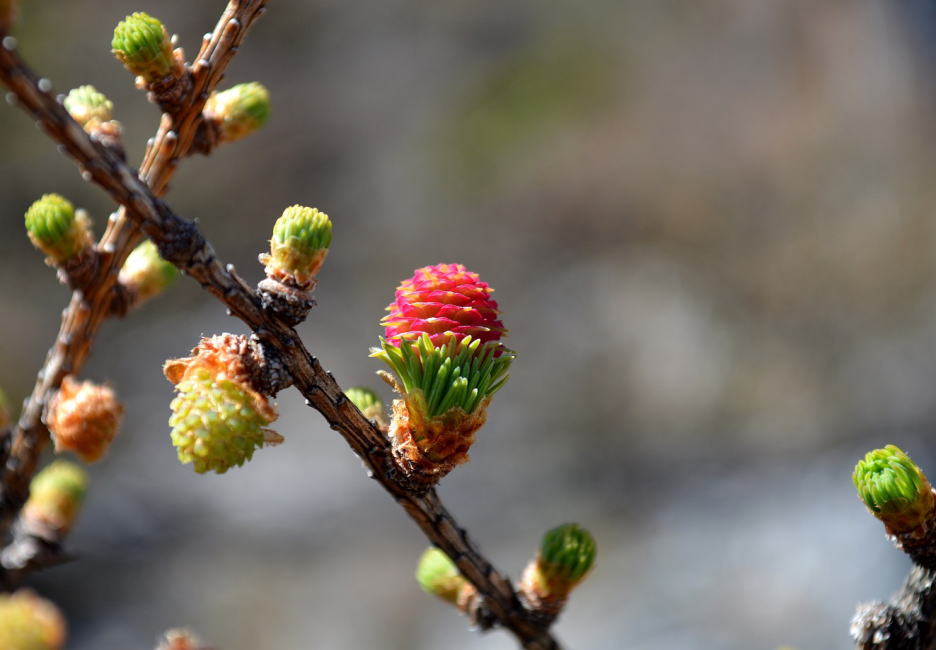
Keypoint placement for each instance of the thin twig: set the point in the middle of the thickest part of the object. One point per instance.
(180, 242)
(92, 305)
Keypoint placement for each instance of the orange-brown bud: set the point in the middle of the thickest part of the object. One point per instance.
(84, 417)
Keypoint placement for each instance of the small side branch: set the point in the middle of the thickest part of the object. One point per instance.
(100, 297)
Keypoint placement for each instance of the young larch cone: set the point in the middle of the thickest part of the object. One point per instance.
(566, 555)
(218, 417)
(444, 301)
(28, 622)
(442, 341)
(84, 418)
(55, 497)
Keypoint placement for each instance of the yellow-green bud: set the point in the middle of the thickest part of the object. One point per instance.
(367, 401)
(57, 229)
(146, 273)
(893, 488)
(438, 575)
(239, 111)
(88, 107)
(142, 44)
(55, 496)
(300, 242)
(28, 622)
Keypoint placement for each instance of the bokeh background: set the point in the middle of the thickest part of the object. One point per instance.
(710, 226)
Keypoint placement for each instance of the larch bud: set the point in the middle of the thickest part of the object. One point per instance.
(894, 489)
(239, 110)
(438, 575)
(142, 44)
(57, 229)
(55, 496)
(84, 418)
(145, 273)
(300, 242)
(87, 106)
(566, 555)
(367, 402)
(28, 622)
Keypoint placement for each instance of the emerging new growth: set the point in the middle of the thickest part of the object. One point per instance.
(442, 342)
(894, 489)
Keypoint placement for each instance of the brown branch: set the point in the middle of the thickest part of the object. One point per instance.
(99, 296)
(180, 242)
(908, 622)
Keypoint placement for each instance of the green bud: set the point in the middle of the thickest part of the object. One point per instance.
(56, 229)
(566, 554)
(300, 242)
(239, 111)
(87, 106)
(142, 44)
(28, 622)
(438, 575)
(366, 400)
(55, 495)
(893, 488)
(146, 273)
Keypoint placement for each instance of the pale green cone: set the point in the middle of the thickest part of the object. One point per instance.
(216, 423)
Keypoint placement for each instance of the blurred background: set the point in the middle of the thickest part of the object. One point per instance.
(710, 227)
